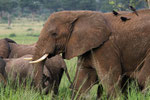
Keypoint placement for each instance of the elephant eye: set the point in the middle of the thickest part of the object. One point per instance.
(54, 34)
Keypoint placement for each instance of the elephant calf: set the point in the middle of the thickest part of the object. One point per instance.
(18, 66)
(56, 66)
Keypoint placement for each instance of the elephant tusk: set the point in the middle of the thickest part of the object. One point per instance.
(40, 59)
(28, 58)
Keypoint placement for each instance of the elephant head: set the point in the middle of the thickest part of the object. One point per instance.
(5, 47)
(72, 33)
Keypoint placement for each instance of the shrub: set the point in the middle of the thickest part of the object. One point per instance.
(29, 29)
(8, 27)
(12, 35)
(33, 35)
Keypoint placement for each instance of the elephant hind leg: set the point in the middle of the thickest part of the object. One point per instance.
(144, 74)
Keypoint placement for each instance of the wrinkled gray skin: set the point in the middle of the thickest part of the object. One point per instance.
(56, 66)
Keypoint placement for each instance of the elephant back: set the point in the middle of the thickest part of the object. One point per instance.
(19, 50)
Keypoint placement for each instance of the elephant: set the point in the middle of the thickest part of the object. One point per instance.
(5, 47)
(10, 49)
(104, 44)
(18, 68)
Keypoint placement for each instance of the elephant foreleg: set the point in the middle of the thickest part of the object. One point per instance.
(85, 78)
(108, 67)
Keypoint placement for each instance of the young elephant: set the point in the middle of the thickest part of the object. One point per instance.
(21, 67)
(10, 49)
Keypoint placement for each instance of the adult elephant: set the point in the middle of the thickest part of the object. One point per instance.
(55, 65)
(10, 49)
(104, 43)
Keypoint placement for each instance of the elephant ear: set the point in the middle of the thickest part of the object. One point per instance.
(9, 40)
(89, 31)
(4, 48)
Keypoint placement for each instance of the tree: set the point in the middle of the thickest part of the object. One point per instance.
(109, 5)
(52, 5)
(148, 2)
(86, 5)
(8, 6)
(32, 5)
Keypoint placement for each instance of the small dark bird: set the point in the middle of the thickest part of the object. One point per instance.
(124, 19)
(115, 13)
(134, 10)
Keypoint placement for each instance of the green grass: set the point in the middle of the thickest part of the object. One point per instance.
(25, 32)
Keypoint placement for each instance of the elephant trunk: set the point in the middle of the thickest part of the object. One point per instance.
(38, 73)
(42, 51)
(38, 70)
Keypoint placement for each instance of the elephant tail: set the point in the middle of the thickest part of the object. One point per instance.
(67, 74)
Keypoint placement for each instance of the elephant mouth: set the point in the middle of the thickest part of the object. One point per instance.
(50, 55)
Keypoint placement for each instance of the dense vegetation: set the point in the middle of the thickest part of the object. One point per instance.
(40, 9)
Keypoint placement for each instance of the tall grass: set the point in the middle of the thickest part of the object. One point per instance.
(27, 33)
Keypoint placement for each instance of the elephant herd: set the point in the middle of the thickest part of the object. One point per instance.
(109, 47)
(12, 64)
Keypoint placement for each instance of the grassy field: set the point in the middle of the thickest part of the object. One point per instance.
(25, 32)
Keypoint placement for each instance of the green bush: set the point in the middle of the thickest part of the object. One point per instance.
(12, 35)
(33, 35)
(8, 27)
(29, 29)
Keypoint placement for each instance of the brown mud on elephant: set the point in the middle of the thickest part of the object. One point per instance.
(111, 47)
(55, 65)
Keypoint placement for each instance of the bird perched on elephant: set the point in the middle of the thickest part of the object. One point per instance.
(10, 49)
(103, 43)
